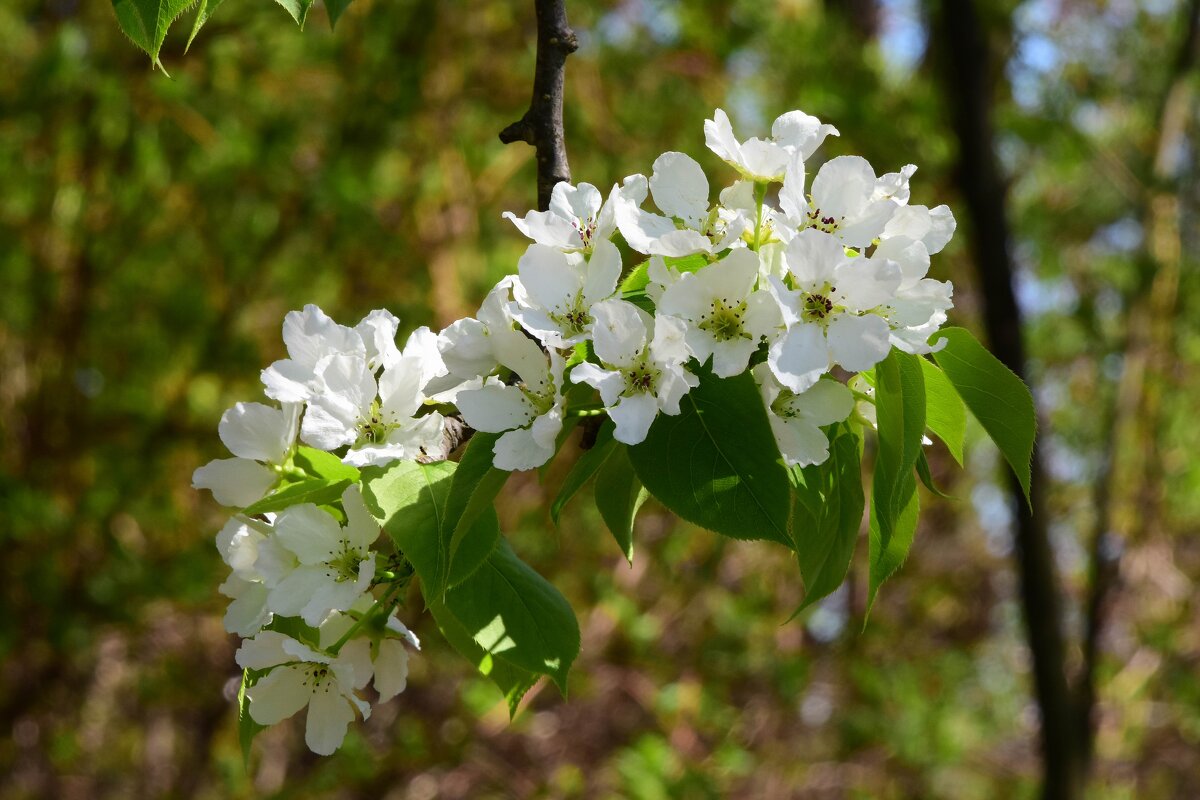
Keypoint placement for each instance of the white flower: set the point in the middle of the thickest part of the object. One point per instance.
(843, 200)
(467, 346)
(792, 134)
(377, 419)
(260, 438)
(725, 317)
(916, 312)
(642, 370)
(310, 336)
(257, 561)
(797, 419)
(378, 652)
(829, 313)
(679, 188)
(299, 677)
(529, 413)
(555, 291)
(335, 565)
(933, 227)
(578, 219)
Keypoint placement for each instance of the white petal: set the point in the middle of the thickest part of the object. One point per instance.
(361, 528)
(718, 136)
(289, 597)
(620, 331)
(801, 131)
(858, 343)
(669, 345)
(248, 612)
(800, 357)
(288, 381)
(400, 388)
(264, 650)
(825, 403)
(800, 443)
(329, 714)
(519, 450)
(730, 357)
(391, 669)
(310, 335)
(792, 198)
(941, 229)
(762, 315)
(422, 346)
(378, 332)
(602, 273)
(610, 383)
(763, 160)
(894, 185)
(278, 695)
(680, 188)
(864, 283)
(580, 202)
(234, 482)
(861, 230)
(328, 425)
(551, 277)
(256, 431)
(673, 384)
(495, 408)
(308, 532)
(643, 230)
(843, 187)
(466, 348)
(812, 257)
(633, 417)
(910, 256)
(547, 228)
(238, 544)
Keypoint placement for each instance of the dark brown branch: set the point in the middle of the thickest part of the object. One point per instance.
(968, 87)
(542, 124)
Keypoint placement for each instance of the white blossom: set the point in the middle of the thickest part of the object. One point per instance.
(842, 201)
(376, 653)
(555, 291)
(299, 676)
(642, 369)
(794, 134)
(578, 219)
(261, 439)
(796, 419)
(334, 563)
(725, 317)
(310, 336)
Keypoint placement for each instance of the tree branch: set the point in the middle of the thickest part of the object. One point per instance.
(542, 124)
(968, 90)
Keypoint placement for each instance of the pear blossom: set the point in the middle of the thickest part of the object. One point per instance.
(335, 565)
(794, 134)
(796, 419)
(310, 336)
(378, 419)
(378, 652)
(725, 318)
(933, 227)
(829, 314)
(261, 439)
(642, 370)
(578, 218)
(554, 291)
(528, 413)
(300, 677)
(468, 346)
(679, 188)
(843, 200)
(257, 562)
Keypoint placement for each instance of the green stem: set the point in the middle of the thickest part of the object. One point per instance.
(381, 606)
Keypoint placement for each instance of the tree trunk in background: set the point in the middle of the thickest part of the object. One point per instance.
(965, 62)
(863, 15)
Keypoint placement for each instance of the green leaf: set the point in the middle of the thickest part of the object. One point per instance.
(515, 614)
(900, 411)
(318, 491)
(583, 470)
(927, 477)
(146, 22)
(619, 494)
(297, 8)
(409, 500)
(636, 281)
(945, 414)
(996, 396)
(335, 8)
(887, 557)
(247, 727)
(204, 11)
(827, 513)
(513, 681)
(472, 491)
(320, 464)
(716, 463)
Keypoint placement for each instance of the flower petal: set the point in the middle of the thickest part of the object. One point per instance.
(858, 343)
(256, 431)
(391, 669)
(308, 532)
(329, 714)
(234, 482)
(800, 357)
(495, 408)
(633, 416)
(680, 188)
(278, 695)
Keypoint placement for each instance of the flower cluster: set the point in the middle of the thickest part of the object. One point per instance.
(803, 284)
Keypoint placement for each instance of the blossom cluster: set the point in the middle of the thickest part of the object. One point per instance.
(617, 307)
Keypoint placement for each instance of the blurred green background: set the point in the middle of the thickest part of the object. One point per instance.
(154, 230)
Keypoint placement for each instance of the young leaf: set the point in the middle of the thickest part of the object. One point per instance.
(146, 22)
(247, 727)
(583, 470)
(900, 410)
(409, 500)
(927, 477)
(204, 11)
(318, 491)
(827, 513)
(619, 495)
(887, 557)
(515, 614)
(716, 463)
(996, 396)
(335, 8)
(474, 487)
(945, 414)
(513, 681)
(297, 8)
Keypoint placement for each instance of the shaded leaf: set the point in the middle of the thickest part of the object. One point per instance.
(900, 412)
(945, 414)
(619, 494)
(146, 22)
(584, 468)
(887, 557)
(318, 491)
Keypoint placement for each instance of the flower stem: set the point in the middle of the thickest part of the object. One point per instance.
(381, 606)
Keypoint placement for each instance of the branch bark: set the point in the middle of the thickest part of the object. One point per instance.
(542, 124)
(968, 89)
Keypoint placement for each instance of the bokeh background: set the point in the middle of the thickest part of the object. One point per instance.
(154, 230)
